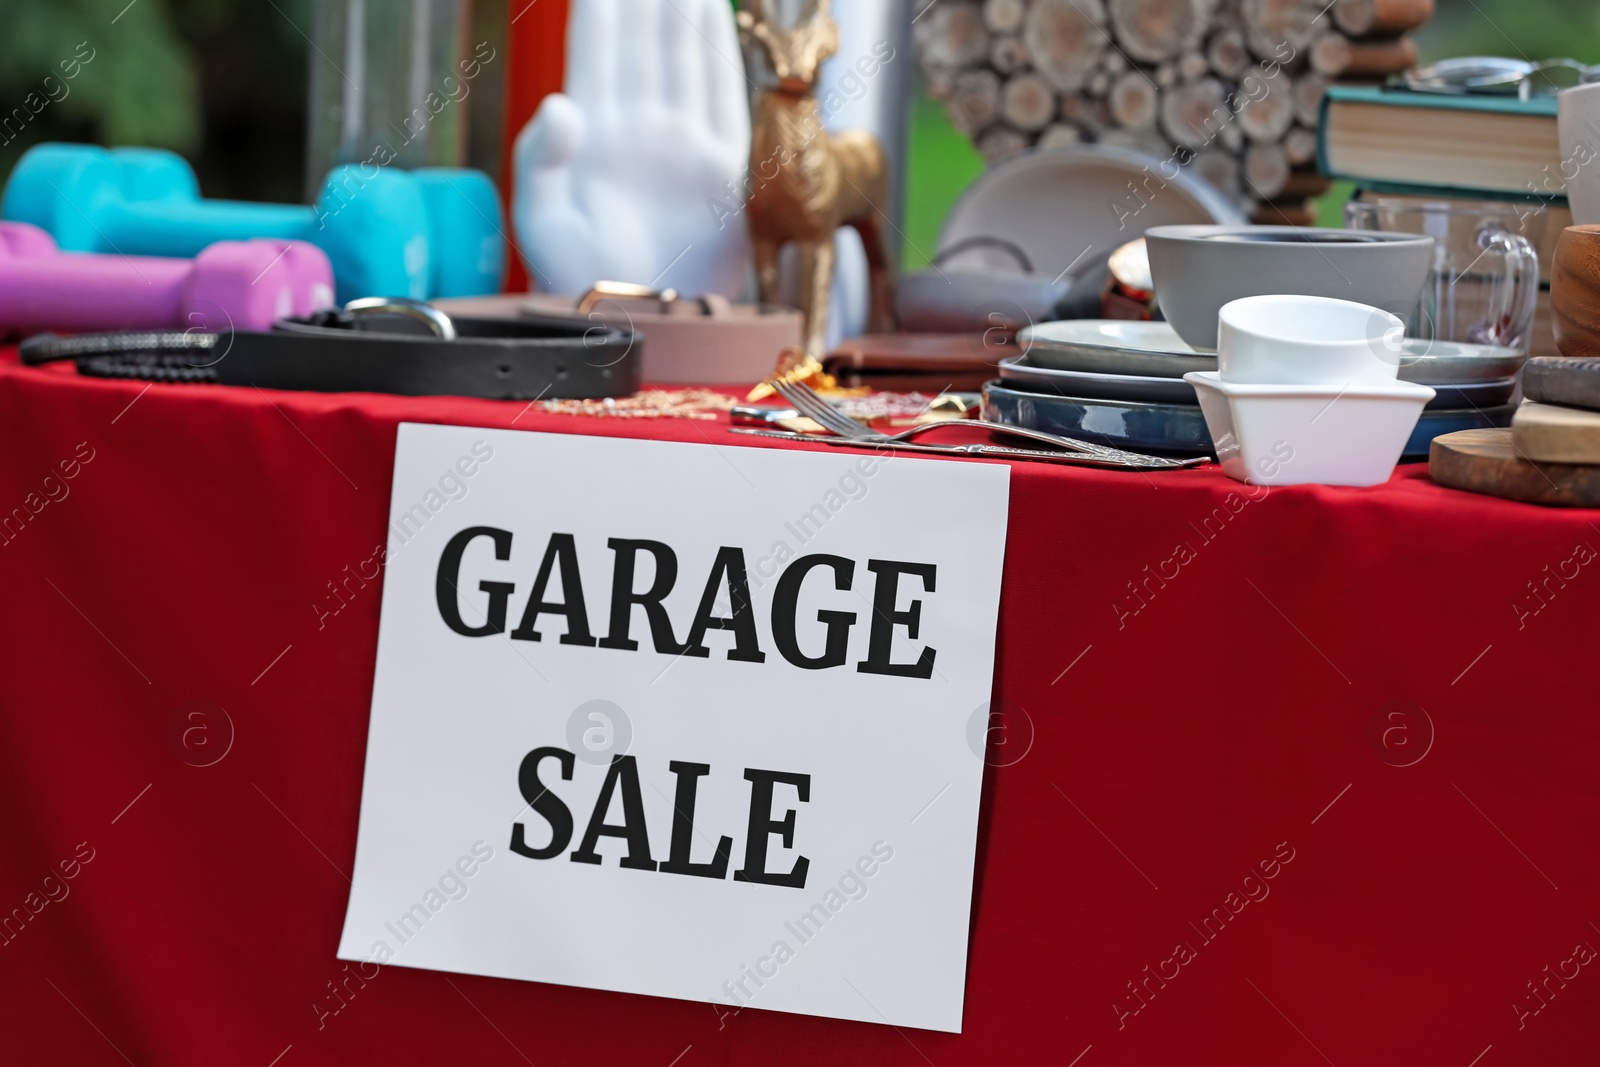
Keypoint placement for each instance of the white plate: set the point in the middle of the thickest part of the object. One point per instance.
(1059, 206)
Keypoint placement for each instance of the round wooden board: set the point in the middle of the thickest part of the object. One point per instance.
(1485, 461)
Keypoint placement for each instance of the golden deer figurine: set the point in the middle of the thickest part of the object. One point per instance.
(805, 182)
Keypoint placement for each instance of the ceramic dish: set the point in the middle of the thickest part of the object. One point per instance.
(1475, 395)
(1309, 434)
(954, 299)
(1438, 423)
(1198, 269)
(1181, 428)
(1135, 425)
(1112, 346)
(1053, 205)
(1154, 349)
(1307, 340)
(1023, 373)
(1454, 363)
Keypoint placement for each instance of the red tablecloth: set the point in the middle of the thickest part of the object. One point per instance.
(1381, 698)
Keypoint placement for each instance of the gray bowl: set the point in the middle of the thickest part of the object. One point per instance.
(1197, 269)
(974, 299)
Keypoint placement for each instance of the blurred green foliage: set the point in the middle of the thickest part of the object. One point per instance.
(1524, 29)
(939, 165)
(221, 81)
(140, 86)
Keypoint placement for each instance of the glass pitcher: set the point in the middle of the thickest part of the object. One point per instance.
(1485, 277)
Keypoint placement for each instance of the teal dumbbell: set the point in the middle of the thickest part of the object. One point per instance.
(424, 234)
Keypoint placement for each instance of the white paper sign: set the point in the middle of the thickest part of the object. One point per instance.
(776, 673)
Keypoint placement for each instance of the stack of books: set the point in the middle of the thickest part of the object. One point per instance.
(1429, 146)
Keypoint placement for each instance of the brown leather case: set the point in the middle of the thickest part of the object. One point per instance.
(921, 362)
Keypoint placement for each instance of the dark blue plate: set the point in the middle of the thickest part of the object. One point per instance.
(1438, 423)
(1179, 428)
(1021, 373)
(1136, 425)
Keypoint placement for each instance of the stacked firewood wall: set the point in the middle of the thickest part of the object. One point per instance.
(1230, 89)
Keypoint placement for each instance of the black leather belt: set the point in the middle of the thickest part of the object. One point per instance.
(377, 346)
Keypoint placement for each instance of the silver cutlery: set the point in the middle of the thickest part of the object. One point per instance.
(1133, 460)
(807, 402)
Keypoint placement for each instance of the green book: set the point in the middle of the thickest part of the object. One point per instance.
(1457, 145)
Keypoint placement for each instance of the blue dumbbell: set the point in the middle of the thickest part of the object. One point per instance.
(426, 233)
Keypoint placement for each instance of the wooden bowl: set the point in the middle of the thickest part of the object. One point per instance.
(1575, 292)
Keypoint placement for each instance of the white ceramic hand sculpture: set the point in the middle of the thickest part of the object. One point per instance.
(616, 177)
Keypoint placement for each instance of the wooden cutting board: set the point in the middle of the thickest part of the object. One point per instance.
(1552, 433)
(1486, 461)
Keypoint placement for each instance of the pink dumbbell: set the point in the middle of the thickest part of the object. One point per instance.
(230, 285)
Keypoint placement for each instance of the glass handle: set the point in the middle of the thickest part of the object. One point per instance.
(1515, 292)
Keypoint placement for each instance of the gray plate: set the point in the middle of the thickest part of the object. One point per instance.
(1452, 363)
(1180, 428)
(1022, 373)
(1154, 350)
(1112, 346)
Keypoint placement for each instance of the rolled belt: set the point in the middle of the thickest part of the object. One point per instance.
(378, 346)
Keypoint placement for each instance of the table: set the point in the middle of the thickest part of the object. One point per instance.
(1381, 698)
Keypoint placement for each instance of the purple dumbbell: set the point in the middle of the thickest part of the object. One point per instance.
(230, 285)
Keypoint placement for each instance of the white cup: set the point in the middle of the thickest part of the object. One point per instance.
(1307, 340)
(1578, 129)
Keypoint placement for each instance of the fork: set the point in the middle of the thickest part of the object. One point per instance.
(1117, 461)
(807, 402)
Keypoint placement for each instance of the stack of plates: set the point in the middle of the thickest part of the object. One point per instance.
(1121, 383)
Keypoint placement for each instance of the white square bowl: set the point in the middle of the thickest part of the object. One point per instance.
(1308, 434)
